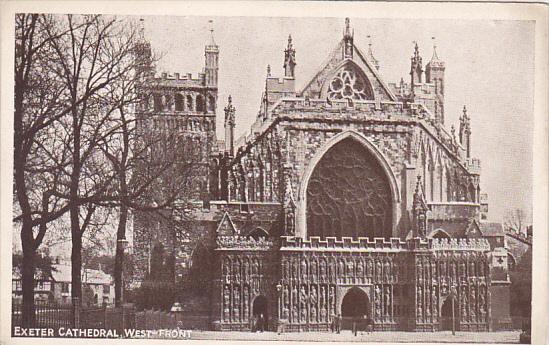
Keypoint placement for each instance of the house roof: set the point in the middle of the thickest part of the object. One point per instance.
(62, 273)
(490, 229)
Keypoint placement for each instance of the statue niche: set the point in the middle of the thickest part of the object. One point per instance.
(348, 194)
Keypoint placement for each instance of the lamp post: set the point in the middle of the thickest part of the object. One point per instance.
(453, 294)
(279, 295)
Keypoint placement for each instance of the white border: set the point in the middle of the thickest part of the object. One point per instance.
(485, 11)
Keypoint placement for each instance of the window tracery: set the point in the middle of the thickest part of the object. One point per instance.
(349, 194)
(349, 84)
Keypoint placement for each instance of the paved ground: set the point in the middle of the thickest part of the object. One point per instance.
(347, 336)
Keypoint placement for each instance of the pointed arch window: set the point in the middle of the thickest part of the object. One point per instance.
(350, 83)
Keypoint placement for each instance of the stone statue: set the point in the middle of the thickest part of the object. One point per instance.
(286, 294)
(387, 271)
(341, 271)
(294, 295)
(303, 270)
(360, 270)
(246, 270)
(302, 296)
(290, 223)
(322, 296)
(419, 268)
(303, 314)
(295, 317)
(313, 313)
(472, 270)
(314, 272)
(350, 268)
(313, 296)
(227, 271)
(323, 313)
(369, 268)
(255, 267)
(323, 270)
(378, 271)
(387, 300)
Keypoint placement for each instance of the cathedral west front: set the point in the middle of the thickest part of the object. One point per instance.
(348, 197)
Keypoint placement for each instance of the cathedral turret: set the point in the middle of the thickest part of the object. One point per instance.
(211, 54)
(416, 69)
(434, 73)
(143, 55)
(289, 59)
(370, 54)
(419, 210)
(348, 40)
(465, 132)
(229, 127)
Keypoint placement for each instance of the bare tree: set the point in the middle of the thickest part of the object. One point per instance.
(515, 220)
(40, 153)
(91, 58)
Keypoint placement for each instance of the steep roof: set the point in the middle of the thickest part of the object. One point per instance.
(335, 61)
(490, 229)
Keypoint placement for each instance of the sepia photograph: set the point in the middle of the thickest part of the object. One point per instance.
(270, 178)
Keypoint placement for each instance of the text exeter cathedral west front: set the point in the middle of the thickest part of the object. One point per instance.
(347, 197)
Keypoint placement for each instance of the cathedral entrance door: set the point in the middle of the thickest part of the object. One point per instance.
(260, 313)
(355, 306)
(446, 315)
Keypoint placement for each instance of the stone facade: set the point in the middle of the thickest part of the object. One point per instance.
(348, 192)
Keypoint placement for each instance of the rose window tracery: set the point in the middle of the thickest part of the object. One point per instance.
(348, 194)
(349, 84)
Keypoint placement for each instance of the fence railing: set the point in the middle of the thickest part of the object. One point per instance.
(46, 315)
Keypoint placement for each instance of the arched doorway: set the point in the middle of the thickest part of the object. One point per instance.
(260, 308)
(446, 315)
(349, 194)
(355, 304)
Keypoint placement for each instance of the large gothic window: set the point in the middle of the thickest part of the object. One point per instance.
(349, 83)
(349, 194)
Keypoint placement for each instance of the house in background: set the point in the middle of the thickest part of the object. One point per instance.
(98, 286)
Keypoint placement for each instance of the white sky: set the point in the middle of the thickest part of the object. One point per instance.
(489, 67)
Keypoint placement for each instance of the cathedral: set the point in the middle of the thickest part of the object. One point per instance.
(348, 197)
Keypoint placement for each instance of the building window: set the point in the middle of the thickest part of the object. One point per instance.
(106, 289)
(349, 84)
(348, 194)
(64, 287)
(178, 102)
(190, 103)
(211, 103)
(158, 106)
(200, 106)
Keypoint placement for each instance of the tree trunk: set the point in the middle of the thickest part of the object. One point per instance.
(27, 277)
(119, 257)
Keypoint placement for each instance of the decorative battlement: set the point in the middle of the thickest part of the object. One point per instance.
(242, 243)
(178, 76)
(473, 165)
(478, 244)
(361, 244)
(291, 243)
(300, 104)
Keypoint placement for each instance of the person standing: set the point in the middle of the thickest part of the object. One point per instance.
(338, 323)
(261, 323)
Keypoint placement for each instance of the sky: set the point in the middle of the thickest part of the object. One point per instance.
(489, 68)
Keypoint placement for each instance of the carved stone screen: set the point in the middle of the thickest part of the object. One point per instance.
(349, 194)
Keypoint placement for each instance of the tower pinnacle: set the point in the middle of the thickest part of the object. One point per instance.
(211, 54)
(230, 123)
(348, 40)
(370, 54)
(289, 59)
(416, 68)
